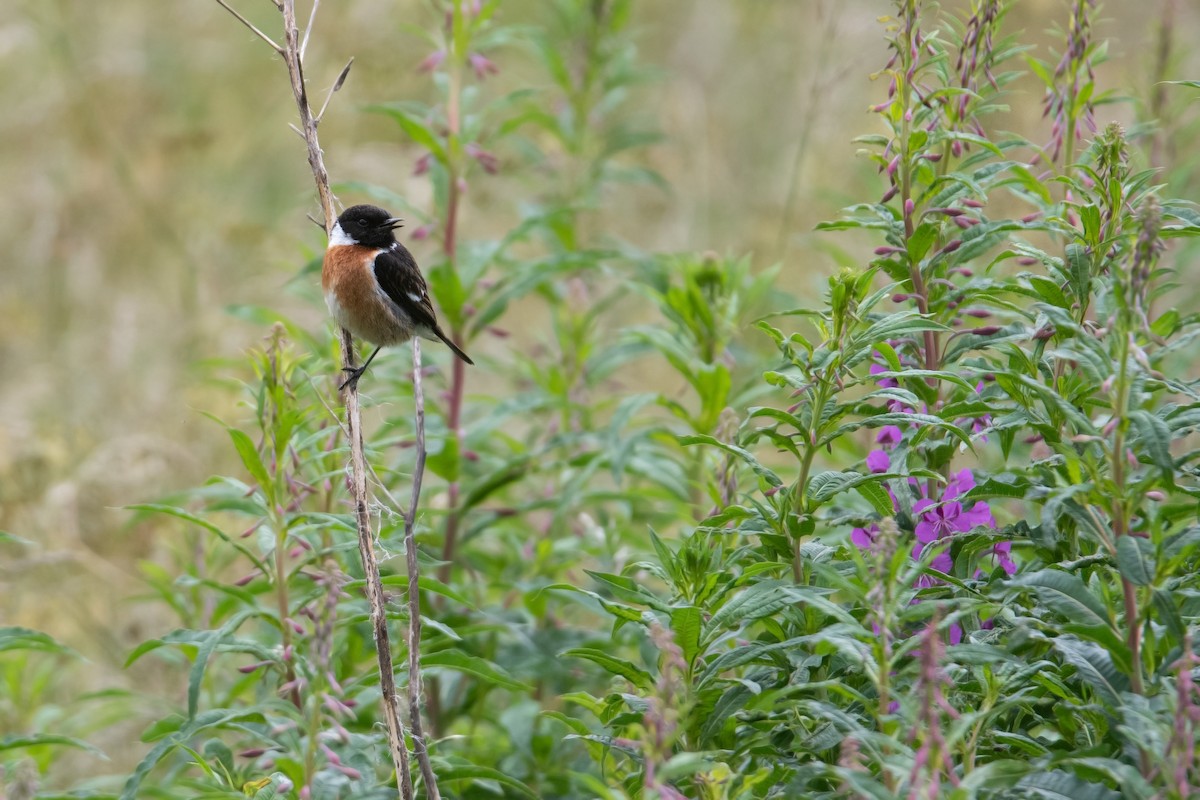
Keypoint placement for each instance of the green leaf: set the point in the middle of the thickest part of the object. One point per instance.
(629, 590)
(763, 599)
(42, 739)
(13, 638)
(473, 665)
(1095, 667)
(665, 557)
(215, 718)
(417, 129)
(1135, 558)
(251, 459)
(1066, 594)
(1155, 438)
(921, 240)
(616, 666)
(747, 654)
(474, 772)
(207, 647)
(618, 610)
(877, 496)
(1059, 785)
(208, 526)
(764, 473)
(1168, 614)
(686, 623)
(1079, 270)
(897, 326)
(205, 642)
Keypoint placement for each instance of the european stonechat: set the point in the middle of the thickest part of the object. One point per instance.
(373, 287)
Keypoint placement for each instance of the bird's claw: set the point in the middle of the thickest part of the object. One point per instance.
(352, 380)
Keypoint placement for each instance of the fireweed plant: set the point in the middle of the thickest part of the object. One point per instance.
(935, 537)
(997, 600)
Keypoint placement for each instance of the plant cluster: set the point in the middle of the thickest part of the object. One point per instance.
(934, 537)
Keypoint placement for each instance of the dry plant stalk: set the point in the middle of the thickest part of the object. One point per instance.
(414, 595)
(292, 52)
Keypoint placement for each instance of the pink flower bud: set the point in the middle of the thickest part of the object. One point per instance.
(432, 61)
(1155, 495)
(482, 66)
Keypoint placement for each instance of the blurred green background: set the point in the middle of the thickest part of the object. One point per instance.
(152, 183)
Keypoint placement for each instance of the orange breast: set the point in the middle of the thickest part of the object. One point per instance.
(355, 299)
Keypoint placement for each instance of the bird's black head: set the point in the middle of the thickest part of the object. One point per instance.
(366, 225)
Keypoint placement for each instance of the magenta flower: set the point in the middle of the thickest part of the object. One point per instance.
(885, 383)
(889, 436)
(936, 520)
(998, 556)
(878, 461)
(942, 562)
(865, 538)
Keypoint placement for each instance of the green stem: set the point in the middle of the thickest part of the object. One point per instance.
(1120, 510)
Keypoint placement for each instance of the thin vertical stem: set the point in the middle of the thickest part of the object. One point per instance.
(450, 250)
(414, 590)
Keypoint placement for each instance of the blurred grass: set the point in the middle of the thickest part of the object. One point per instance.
(152, 182)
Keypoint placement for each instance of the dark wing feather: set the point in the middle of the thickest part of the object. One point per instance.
(401, 280)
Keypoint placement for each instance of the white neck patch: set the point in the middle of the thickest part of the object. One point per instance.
(338, 236)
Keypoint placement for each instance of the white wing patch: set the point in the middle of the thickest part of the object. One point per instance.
(416, 298)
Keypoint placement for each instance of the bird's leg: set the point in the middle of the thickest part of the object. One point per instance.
(357, 372)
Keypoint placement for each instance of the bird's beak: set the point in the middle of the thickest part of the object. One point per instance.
(393, 222)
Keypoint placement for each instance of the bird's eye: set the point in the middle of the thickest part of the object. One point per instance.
(362, 223)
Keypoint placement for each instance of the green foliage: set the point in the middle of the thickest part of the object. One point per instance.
(934, 537)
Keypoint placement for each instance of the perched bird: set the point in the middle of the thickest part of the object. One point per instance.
(373, 287)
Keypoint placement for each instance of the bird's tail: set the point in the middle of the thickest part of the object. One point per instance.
(457, 350)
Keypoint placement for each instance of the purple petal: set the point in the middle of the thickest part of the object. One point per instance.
(926, 532)
(878, 461)
(864, 538)
(889, 435)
